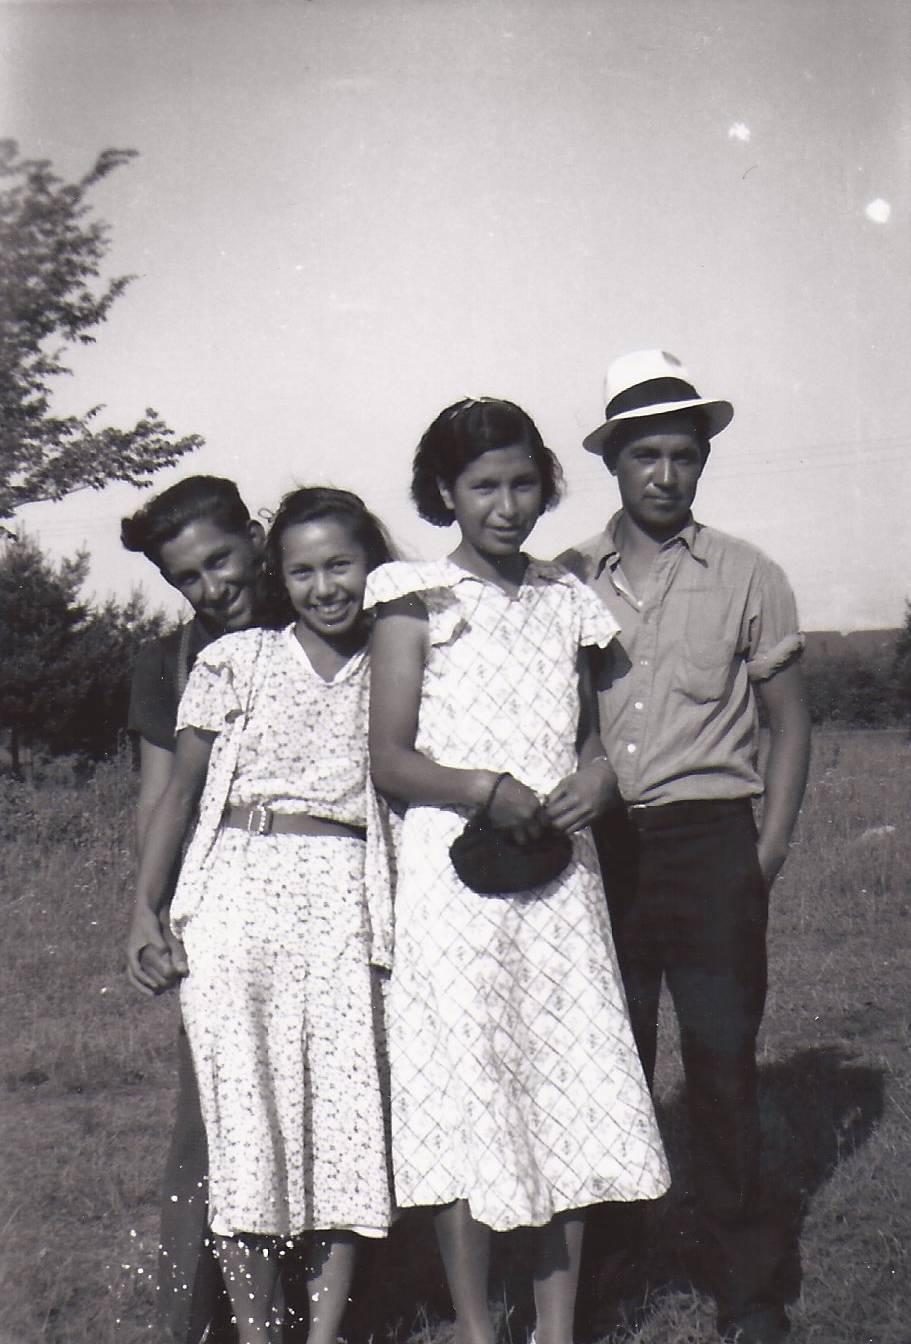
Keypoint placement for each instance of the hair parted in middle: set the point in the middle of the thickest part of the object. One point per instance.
(314, 504)
(464, 432)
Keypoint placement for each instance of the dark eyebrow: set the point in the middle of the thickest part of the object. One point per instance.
(342, 556)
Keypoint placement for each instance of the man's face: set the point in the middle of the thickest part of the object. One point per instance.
(657, 473)
(217, 571)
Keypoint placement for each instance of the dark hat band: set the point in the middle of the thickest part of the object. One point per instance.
(651, 393)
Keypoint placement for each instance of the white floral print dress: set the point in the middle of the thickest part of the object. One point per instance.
(280, 1004)
(515, 1080)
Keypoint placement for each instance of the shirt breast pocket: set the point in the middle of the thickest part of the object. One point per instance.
(706, 666)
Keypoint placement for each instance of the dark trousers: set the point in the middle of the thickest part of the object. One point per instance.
(688, 904)
(192, 1293)
(191, 1289)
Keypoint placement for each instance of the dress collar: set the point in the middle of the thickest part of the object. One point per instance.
(298, 652)
(536, 572)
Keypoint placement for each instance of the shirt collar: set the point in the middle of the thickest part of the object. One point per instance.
(607, 554)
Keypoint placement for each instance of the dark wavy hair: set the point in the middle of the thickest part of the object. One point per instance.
(164, 517)
(312, 504)
(464, 432)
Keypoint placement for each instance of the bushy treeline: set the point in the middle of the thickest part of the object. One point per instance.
(862, 692)
(849, 692)
(65, 664)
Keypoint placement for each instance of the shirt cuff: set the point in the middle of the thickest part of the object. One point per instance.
(770, 661)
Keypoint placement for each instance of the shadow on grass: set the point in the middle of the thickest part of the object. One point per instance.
(818, 1107)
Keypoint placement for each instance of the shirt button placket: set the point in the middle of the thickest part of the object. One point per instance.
(642, 689)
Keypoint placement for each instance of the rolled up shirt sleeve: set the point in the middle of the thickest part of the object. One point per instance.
(772, 635)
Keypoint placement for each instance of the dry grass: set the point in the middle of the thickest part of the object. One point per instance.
(87, 1074)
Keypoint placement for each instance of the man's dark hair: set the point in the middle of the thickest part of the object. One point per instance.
(164, 517)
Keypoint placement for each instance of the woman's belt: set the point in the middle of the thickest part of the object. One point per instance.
(260, 820)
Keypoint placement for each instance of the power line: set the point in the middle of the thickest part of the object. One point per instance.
(746, 471)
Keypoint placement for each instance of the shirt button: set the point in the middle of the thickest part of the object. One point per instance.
(631, 747)
(643, 662)
(638, 705)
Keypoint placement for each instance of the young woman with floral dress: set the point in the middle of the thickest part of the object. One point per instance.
(283, 907)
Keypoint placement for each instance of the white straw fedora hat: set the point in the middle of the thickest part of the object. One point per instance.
(652, 382)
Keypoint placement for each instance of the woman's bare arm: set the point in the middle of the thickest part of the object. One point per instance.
(398, 654)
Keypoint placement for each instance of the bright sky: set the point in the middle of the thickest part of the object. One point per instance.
(347, 214)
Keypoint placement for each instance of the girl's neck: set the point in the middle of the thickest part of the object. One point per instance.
(506, 571)
(328, 656)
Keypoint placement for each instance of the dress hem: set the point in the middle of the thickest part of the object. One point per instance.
(586, 1201)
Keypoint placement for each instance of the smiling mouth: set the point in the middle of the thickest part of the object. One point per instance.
(229, 609)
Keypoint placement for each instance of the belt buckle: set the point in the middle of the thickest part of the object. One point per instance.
(259, 821)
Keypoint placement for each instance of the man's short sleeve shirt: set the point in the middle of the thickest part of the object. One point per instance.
(678, 714)
(156, 686)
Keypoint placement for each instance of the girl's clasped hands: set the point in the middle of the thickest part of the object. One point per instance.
(571, 805)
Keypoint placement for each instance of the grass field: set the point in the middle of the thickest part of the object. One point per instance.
(87, 1070)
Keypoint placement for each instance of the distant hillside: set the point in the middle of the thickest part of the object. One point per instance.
(852, 680)
(873, 648)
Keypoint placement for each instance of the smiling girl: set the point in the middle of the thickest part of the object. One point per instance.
(282, 910)
(517, 1094)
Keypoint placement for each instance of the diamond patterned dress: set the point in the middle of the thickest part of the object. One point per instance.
(516, 1082)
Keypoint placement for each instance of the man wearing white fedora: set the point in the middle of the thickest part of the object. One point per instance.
(708, 625)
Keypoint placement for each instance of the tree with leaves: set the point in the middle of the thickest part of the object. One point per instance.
(40, 615)
(93, 718)
(65, 667)
(51, 297)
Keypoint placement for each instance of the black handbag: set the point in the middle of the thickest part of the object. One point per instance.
(492, 863)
